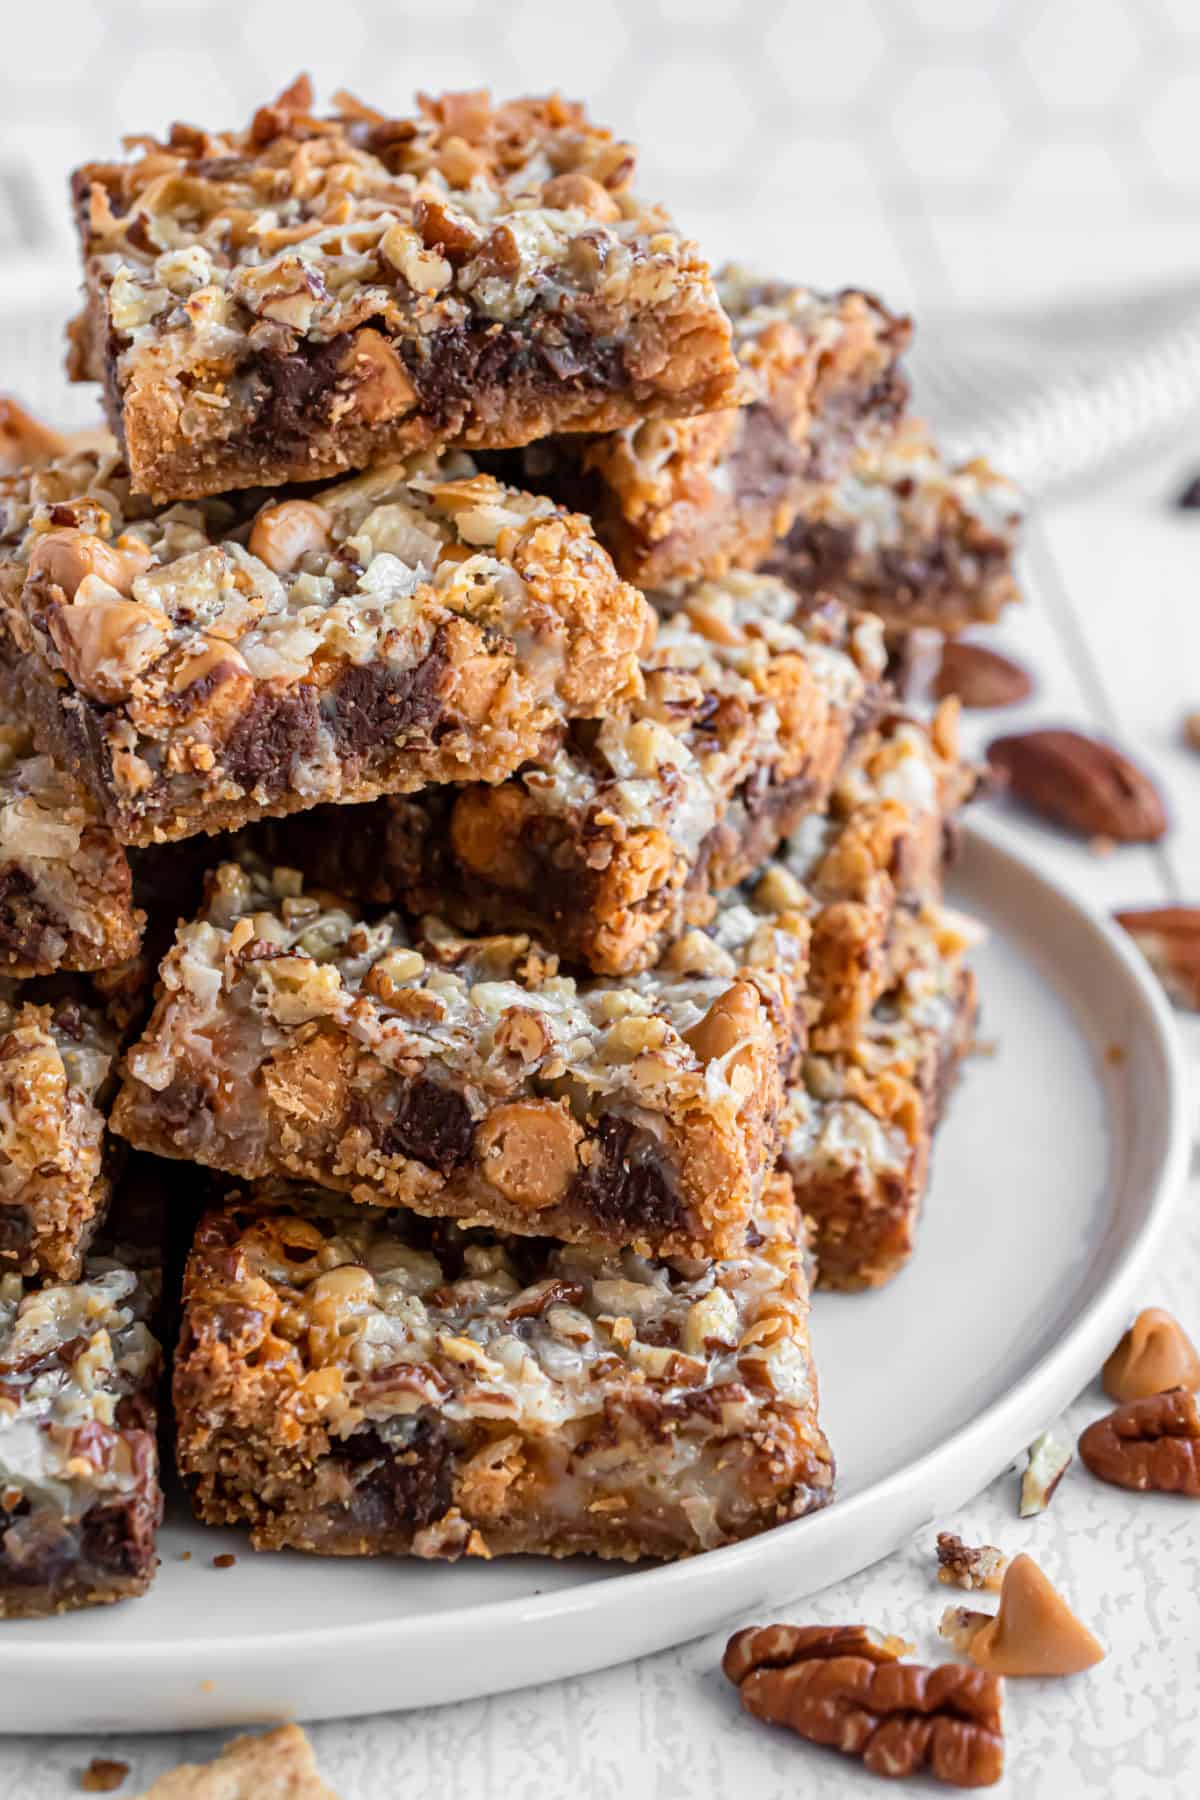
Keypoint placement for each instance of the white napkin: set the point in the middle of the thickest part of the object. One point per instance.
(1058, 394)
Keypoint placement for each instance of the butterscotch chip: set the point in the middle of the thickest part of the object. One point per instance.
(1034, 1631)
(1155, 1354)
(529, 1150)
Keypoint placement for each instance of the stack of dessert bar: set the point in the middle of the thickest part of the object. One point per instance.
(452, 800)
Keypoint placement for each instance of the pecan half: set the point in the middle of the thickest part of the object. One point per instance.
(1169, 938)
(969, 1566)
(1152, 1445)
(980, 677)
(844, 1686)
(1033, 1632)
(1049, 1460)
(1080, 783)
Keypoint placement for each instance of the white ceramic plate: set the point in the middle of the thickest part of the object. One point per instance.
(1054, 1176)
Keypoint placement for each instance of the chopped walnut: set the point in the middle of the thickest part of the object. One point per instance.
(1034, 1631)
(845, 1686)
(1049, 1460)
(964, 1566)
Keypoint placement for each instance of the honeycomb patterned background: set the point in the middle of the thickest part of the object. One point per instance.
(958, 156)
(743, 107)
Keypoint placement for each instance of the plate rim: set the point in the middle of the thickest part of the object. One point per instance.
(1062, 1370)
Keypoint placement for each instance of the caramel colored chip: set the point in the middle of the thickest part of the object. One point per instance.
(1034, 1631)
(1155, 1354)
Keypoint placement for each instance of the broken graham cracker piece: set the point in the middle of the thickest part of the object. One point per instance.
(1154, 1354)
(1033, 1632)
(966, 1566)
(278, 1765)
(1152, 1445)
(478, 273)
(845, 1687)
(356, 1382)
(1048, 1460)
(197, 668)
(464, 1077)
(678, 500)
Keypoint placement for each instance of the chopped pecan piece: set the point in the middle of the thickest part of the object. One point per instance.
(1152, 1445)
(1078, 782)
(969, 1566)
(845, 1687)
(1154, 1355)
(1049, 1460)
(980, 676)
(1169, 938)
(1034, 1631)
(103, 1775)
(1191, 730)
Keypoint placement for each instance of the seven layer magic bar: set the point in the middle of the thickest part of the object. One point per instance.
(316, 294)
(909, 538)
(80, 1500)
(196, 667)
(675, 500)
(359, 1383)
(465, 1077)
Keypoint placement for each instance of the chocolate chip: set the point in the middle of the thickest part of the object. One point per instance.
(372, 706)
(16, 1228)
(296, 392)
(399, 1485)
(468, 371)
(1189, 499)
(625, 1186)
(432, 1124)
(276, 731)
(767, 461)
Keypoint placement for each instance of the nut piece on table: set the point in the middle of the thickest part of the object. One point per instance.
(1034, 1631)
(980, 677)
(967, 1566)
(1155, 1355)
(1049, 1460)
(1152, 1445)
(1078, 782)
(1191, 730)
(103, 1775)
(278, 1765)
(1169, 938)
(845, 1687)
